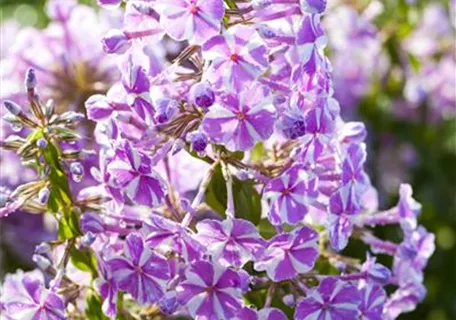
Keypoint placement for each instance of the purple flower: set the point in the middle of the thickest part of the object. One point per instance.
(292, 124)
(166, 109)
(137, 86)
(310, 42)
(202, 95)
(107, 288)
(412, 255)
(290, 195)
(408, 208)
(25, 297)
(116, 41)
(373, 299)
(166, 235)
(232, 242)
(376, 272)
(353, 168)
(192, 20)
(340, 230)
(198, 141)
(333, 299)
(133, 171)
(263, 314)
(210, 291)
(313, 6)
(319, 126)
(289, 254)
(142, 273)
(238, 58)
(239, 121)
(404, 299)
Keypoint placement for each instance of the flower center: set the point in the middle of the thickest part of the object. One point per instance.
(209, 290)
(286, 192)
(234, 57)
(240, 116)
(193, 9)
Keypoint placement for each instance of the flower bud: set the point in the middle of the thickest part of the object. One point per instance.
(116, 41)
(12, 107)
(43, 248)
(165, 110)
(43, 195)
(266, 32)
(42, 262)
(198, 141)
(202, 95)
(88, 239)
(30, 79)
(292, 125)
(177, 146)
(41, 143)
(77, 171)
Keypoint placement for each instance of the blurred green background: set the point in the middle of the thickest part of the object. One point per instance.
(433, 176)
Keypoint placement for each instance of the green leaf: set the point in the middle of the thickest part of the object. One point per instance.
(247, 201)
(93, 307)
(266, 229)
(231, 4)
(258, 152)
(69, 226)
(85, 260)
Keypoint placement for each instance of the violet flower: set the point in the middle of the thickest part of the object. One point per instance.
(237, 57)
(232, 242)
(142, 273)
(333, 299)
(289, 254)
(192, 20)
(210, 291)
(240, 120)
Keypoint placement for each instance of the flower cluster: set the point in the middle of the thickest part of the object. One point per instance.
(276, 192)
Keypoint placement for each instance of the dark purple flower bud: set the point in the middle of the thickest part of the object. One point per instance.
(116, 41)
(202, 95)
(91, 223)
(165, 109)
(198, 141)
(12, 107)
(41, 143)
(266, 32)
(43, 195)
(77, 171)
(30, 79)
(87, 239)
(292, 125)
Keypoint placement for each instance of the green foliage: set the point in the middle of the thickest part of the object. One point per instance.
(247, 201)
(93, 307)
